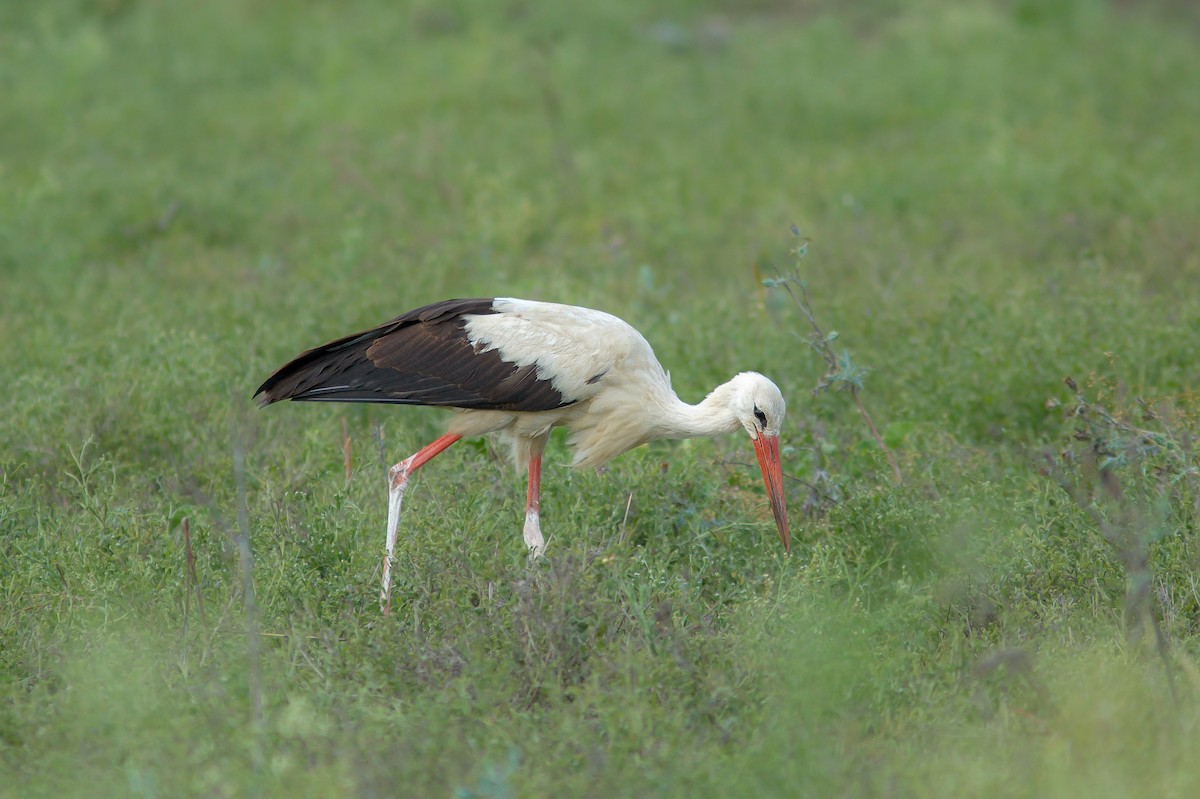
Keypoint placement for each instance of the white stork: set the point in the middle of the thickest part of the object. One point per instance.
(520, 368)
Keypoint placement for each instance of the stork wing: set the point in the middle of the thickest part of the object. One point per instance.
(424, 357)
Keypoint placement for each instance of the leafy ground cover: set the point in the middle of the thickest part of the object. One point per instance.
(998, 196)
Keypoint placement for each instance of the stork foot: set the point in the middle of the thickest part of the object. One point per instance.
(397, 482)
(533, 535)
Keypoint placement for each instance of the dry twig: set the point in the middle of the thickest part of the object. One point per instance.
(840, 372)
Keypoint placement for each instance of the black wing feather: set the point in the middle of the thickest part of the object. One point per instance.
(420, 358)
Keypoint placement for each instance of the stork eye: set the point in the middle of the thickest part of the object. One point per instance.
(761, 417)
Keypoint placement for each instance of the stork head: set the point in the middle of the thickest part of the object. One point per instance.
(759, 407)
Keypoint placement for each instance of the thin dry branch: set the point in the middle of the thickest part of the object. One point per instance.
(190, 581)
(840, 372)
(1102, 444)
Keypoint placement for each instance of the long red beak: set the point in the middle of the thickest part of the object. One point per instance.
(767, 449)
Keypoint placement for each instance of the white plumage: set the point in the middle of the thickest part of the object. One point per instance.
(520, 368)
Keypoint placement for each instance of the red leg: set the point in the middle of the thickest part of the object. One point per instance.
(397, 481)
(533, 506)
(400, 472)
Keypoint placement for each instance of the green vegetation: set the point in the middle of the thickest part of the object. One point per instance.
(1000, 195)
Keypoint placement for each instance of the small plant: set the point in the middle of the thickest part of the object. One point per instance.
(841, 373)
(1131, 470)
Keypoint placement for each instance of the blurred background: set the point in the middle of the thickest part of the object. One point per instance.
(995, 195)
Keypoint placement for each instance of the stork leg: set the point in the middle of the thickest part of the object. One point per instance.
(533, 503)
(397, 481)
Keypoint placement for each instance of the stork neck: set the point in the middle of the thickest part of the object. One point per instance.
(714, 416)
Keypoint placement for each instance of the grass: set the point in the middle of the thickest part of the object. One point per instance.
(999, 195)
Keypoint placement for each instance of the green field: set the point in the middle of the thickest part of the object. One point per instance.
(998, 196)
